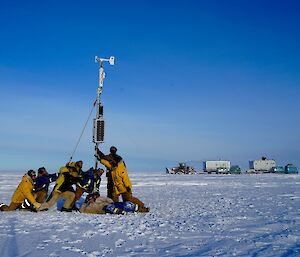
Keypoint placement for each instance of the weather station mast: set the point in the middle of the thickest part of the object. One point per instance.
(98, 129)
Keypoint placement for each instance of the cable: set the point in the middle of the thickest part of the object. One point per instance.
(78, 141)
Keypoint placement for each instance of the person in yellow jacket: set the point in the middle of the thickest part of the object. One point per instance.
(68, 176)
(121, 182)
(23, 191)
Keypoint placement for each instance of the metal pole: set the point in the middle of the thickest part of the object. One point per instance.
(99, 114)
(99, 93)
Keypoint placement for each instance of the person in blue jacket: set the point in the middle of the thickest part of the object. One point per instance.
(42, 184)
(89, 183)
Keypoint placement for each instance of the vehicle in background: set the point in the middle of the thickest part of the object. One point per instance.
(222, 171)
(278, 169)
(290, 169)
(181, 169)
(235, 169)
(287, 169)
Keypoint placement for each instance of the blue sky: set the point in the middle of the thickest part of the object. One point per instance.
(193, 80)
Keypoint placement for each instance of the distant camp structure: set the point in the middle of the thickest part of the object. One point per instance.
(264, 165)
(261, 166)
(221, 167)
(216, 167)
(182, 168)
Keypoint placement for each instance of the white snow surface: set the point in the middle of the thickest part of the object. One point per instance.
(191, 215)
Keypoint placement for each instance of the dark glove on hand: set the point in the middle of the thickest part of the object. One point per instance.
(99, 155)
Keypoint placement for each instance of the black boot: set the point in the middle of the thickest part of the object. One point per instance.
(66, 209)
(27, 206)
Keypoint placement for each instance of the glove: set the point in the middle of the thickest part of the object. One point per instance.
(99, 155)
(37, 205)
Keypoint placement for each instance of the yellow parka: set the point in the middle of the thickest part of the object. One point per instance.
(119, 176)
(73, 165)
(66, 178)
(24, 190)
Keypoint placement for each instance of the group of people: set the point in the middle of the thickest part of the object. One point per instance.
(72, 182)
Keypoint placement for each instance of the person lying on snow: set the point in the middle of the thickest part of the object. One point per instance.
(89, 183)
(68, 176)
(121, 183)
(96, 204)
(23, 191)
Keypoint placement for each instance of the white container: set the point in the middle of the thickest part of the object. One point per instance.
(216, 166)
(263, 165)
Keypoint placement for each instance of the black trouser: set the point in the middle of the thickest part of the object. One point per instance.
(110, 185)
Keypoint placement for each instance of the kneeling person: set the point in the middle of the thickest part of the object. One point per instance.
(63, 188)
(23, 191)
(90, 183)
(42, 184)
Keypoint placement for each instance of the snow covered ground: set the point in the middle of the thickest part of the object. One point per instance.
(191, 215)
